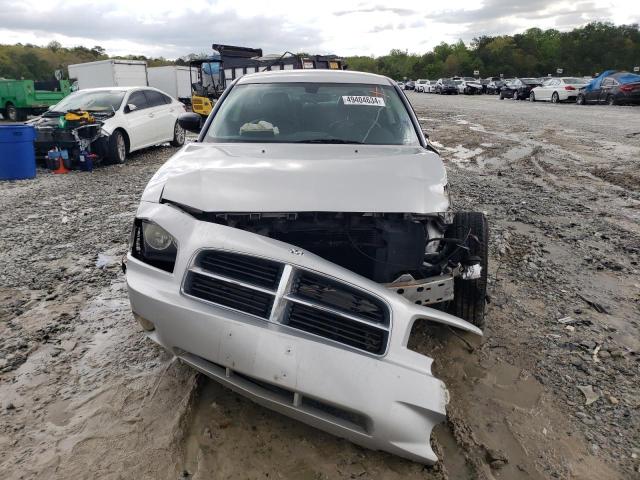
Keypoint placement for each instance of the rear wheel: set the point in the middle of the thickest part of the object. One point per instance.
(470, 295)
(501, 96)
(611, 100)
(555, 98)
(13, 114)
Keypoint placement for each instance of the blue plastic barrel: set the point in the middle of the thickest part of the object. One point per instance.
(17, 155)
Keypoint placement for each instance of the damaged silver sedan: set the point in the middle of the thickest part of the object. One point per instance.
(288, 252)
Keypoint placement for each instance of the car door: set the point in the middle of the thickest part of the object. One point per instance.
(139, 123)
(603, 91)
(553, 86)
(161, 112)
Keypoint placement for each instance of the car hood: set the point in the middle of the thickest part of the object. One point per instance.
(296, 178)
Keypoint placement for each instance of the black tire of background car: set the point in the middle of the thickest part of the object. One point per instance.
(177, 142)
(12, 112)
(501, 96)
(470, 295)
(611, 100)
(532, 97)
(580, 100)
(114, 153)
(555, 98)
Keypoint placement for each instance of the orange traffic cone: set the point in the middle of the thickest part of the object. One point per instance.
(61, 168)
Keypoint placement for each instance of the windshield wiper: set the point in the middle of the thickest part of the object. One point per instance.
(329, 140)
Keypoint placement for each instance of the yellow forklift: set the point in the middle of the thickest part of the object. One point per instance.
(209, 76)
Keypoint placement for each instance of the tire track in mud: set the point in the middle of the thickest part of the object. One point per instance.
(531, 199)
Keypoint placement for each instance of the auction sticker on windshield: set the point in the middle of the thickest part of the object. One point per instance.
(363, 100)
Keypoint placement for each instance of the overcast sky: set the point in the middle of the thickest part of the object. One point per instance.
(173, 28)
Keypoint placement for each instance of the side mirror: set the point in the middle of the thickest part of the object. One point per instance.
(130, 107)
(190, 121)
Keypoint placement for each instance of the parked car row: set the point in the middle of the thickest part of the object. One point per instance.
(611, 87)
(445, 86)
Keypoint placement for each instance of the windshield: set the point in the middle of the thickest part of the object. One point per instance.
(95, 101)
(313, 113)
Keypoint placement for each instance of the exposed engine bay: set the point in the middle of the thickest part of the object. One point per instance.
(415, 255)
(77, 132)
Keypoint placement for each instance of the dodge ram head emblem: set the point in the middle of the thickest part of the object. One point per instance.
(295, 251)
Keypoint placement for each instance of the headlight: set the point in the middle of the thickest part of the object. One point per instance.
(152, 244)
(155, 236)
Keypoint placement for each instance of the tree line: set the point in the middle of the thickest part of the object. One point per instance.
(586, 50)
(40, 63)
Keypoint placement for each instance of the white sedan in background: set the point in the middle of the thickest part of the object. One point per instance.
(421, 85)
(559, 89)
(128, 119)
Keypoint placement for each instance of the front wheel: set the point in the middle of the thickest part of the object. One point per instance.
(117, 148)
(532, 97)
(178, 136)
(501, 96)
(580, 100)
(555, 98)
(470, 295)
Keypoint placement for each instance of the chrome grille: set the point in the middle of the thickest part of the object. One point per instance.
(229, 295)
(334, 294)
(337, 328)
(292, 297)
(253, 270)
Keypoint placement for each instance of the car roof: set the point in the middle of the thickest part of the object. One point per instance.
(315, 75)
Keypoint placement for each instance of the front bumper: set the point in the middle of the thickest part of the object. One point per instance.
(385, 402)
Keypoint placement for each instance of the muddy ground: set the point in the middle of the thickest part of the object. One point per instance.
(551, 391)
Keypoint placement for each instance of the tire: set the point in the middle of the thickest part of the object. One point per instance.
(178, 136)
(501, 96)
(516, 96)
(580, 100)
(555, 98)
(611, 100)
(470, 296)
(532, 97)
(12, 112)
(118, 148)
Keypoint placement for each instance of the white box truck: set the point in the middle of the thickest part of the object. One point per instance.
(173, 80)
(109, 73)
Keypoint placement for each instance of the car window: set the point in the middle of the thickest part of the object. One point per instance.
(156, 98)
(310, 112)
(91, 100)
(139, 100)
(607, 82)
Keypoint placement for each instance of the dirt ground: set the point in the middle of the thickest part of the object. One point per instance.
(551, 391)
